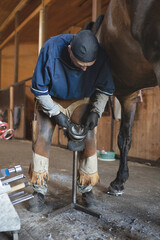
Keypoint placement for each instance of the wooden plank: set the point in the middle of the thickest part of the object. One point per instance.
(96, 9)
(104, 133)
(11, 107)
(146, 127)
(72, 30)
(5, 98)
(16, 46)
(0, 67)
(7, 40)
(28, 19)
(42, 36)
(19, 93)
(13, 13)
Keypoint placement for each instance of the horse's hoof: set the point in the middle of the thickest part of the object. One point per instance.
(89, 199)
(112, 191)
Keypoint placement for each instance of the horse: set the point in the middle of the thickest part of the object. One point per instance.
(130, 33)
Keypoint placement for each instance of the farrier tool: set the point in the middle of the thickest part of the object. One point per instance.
(9, 220)
(76, 135)
(6, 171)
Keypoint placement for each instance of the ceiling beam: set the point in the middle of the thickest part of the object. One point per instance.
(28, 19)
(19, 7)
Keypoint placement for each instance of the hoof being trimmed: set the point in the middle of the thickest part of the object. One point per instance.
(112, 191)
(88, 199)
(37, 204)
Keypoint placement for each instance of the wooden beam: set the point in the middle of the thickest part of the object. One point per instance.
(19, 7)
(46, 22)
(0, 67)
(72, 30)
(11, 104)
(16, 48)
(0, 63)
(28, 19)
(42, 36)
(96, 9)
(33, 14)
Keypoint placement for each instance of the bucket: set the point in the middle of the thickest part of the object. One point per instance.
(107, 156)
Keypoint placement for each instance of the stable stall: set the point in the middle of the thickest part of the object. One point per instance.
(22, 36)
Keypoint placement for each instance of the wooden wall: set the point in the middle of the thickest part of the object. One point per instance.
(5, 104)
(28, 54)
(7, 65)
(22, 98)
(104, 133)
(146, 127)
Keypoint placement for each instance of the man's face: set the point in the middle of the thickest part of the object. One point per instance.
(78, 63)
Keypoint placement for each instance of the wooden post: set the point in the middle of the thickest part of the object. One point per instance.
(11, 105)
(42, 31)
(16, 47)
(0, 68)
(96, 9)
(46, 22)
(0, 62)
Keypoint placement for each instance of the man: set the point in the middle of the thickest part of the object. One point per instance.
(71, 83)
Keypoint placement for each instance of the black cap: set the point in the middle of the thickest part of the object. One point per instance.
(85, 46)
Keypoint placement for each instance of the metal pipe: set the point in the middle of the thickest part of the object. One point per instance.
(16, 169)
(74, 180)
(13, 179)
(22, 199)
(88, 211)
(15, 194)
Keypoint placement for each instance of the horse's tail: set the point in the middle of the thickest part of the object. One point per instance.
(94, 26)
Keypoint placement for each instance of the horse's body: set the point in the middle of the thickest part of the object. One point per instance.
(130, 33)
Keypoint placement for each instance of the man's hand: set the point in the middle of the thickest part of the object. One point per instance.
(62, 120)
(92, 120)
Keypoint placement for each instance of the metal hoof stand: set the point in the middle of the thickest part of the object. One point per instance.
(74, 204)
(9, 220)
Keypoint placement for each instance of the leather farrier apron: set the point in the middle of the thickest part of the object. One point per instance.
(43, 129)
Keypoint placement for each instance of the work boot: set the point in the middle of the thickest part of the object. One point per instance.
(36, 204)
(88, 199)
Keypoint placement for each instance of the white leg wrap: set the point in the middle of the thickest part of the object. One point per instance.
(89, 165)
(40, 163)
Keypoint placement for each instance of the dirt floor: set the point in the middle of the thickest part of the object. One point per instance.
(134, 215)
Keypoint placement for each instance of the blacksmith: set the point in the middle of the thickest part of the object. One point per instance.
(72, 81)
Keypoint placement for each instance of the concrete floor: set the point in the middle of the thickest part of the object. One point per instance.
(135, 215)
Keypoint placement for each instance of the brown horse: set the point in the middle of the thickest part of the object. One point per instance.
(130, 34)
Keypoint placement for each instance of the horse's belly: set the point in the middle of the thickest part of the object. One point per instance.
(130, 69)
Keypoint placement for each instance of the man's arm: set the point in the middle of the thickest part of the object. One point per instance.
(104, 88)
(98, 102)
(49, 107)
(97, 105)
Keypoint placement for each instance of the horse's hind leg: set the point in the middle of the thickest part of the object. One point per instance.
(128, 104)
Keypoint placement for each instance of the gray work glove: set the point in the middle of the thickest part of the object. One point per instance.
(91, 120)
(62, 120)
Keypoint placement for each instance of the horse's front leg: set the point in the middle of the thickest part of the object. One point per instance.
(128, 105)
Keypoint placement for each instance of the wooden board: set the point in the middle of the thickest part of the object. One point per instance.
(146, 127)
